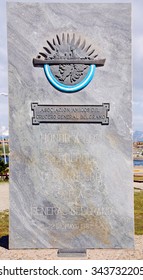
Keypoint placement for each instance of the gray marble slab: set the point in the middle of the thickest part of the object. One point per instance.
(70, 184)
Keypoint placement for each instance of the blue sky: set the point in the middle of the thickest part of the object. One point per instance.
(137, 28)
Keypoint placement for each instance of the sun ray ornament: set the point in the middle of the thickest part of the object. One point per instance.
(69, 63)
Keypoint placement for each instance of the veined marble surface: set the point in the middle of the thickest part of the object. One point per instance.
(70, 184)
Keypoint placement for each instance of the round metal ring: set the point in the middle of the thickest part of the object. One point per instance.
(69, 88)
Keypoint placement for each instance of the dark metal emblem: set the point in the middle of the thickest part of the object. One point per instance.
(70, 113)
(69, 64)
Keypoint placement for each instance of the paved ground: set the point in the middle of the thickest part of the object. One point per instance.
(4, 196)
(50, 254)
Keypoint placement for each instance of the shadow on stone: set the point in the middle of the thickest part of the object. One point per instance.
(4, 242)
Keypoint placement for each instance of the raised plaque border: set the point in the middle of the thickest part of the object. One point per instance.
(103, 121)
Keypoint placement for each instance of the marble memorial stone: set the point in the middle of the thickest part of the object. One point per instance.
(70, 150)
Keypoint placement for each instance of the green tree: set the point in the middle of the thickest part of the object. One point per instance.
(3, 167)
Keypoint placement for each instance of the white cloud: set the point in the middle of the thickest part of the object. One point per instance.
(4, 131)
(3, 93)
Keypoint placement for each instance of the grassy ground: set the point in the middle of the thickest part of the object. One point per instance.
(2, 181)
(138, 196)
(6, 149)
(4, 223)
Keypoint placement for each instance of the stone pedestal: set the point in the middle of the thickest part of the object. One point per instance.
(70, 183)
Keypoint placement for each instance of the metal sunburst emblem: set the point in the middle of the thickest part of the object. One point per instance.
(69, 64)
